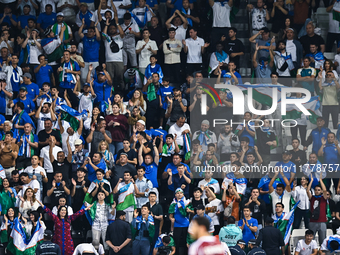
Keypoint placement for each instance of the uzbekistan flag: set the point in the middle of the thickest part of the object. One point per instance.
(126, 197)
(263, 93)
(70, 115)
(285, 225)
(312, 106)
(19, 244)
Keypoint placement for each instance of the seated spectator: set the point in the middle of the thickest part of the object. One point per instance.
(306, 244)
(312, 39)
(262, 67)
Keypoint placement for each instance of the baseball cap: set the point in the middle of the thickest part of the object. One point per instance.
(179, 190)
(287, 152)
(27, 75)
(48, 233)
(200, 207)
(141, 122)
(23, 88)
(226, 75)
(241, 242)
(60, 14)
(78, 142)
(102, 73)
(87, 84)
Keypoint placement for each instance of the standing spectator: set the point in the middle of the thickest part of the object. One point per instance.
(214, 208)
(283, 63)
(298, 156)
(151, 88)
(230, 234)
(7, 15)
(317, 58)
(271, 238)
(86, 14)
(221, 20)
(262, 67)
(294, 47)
(126, 190)
(32, 88)
(114, 60)
(58, 188)
(45, 156)
(145, 230)
(67, 9)
(205, 136)
(28, 145)
(299, 193)
(233, 46)
(14, 73)
(264, 43)
(318, 208)
(179, 23)
(145, 48)
(142, 14)
(311, 38)
(118, 235)
(131, 31)
(316, 135)
(257, 207)
(288, 166)
(248, 225)
(172, 48)
(301, 13)
(8, 153)
(333, 31)
(179, 217)
(98, 134)
(52, 46)
(46, 18)
(231, 201)
(91, 44)
(44, 72)
(56, 28)
(278, 15)
(306, 75)
(259, 16)
(329, 88)
(227, 143)
(179, 180)
(144, 186)
(194, 47)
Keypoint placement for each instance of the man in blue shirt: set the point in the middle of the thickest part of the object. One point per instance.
(330, 151)
(180, 180)
(102, 86)
(151, 165)
(316, 135)
(91, 44)
(44, 72)
(67, 77)
(23, 19)
(248, 129)
(46, 19)
(248, 225)
(288, 167)
(32, 88)
(8, 17)
(28, 103)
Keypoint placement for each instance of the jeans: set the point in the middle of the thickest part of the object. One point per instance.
(298, 218)
(96, 236)
(140, 247)
(115, 147)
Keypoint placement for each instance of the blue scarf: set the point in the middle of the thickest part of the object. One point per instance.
(69, 76)
(189, 20)
(140, 220)
(151, 70)
(203, 137)
(221, 57)
(140, 24)
(332, 238)
(15, 79)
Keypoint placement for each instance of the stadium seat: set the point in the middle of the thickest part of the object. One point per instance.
(329, 55)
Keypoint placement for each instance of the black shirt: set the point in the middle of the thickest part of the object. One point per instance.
(65, 168)
(48, 248)
(132, 154)
(257, 210)
(117, 232)
(234, 46)
(156, 35)
(262, 138)
(118, 172)
(298, 154)
(272, 240)
(279, 20)
(306, 41)
(157, 210)
(43, 136)
(79, 194)
(58, 192)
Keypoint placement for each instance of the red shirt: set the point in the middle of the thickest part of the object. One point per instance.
(323, 208)
(118, 132)
(206, 245)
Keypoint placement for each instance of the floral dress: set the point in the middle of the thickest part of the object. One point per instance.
(62, 232)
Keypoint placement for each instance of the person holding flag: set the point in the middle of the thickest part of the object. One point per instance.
(126, 190)
(99, 184)
(144, 228)
(142, 14)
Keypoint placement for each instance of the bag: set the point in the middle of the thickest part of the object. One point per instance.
(316, 212)
(283, 67)
(114, 46)
(228, 210)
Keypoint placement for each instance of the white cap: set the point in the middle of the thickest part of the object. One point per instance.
(141, 122)
(60, 14)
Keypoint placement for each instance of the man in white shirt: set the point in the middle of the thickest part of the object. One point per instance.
(259, 16)
(307, 246)
(333, 28)
(180, 128)
(122, 6)
(281, 193)
(29, 183)
(45, 157)
(194, 47)
(145, 48)
(114, 60)
(142, 14)
(131, 31)
(179, 23)
(67, 7)
(95, 247)
(221, 19)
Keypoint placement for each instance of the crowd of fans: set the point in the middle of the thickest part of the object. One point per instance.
(104, 145)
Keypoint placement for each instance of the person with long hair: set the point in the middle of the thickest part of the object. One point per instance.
(137, 100)
(327, 66)
(118, 127)
(117, 99)
(299, 193)
(6, 227)
(96, 114)
(31, 225)
(28, 203)
(62, 227)
(103, 148)
(7, 196)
